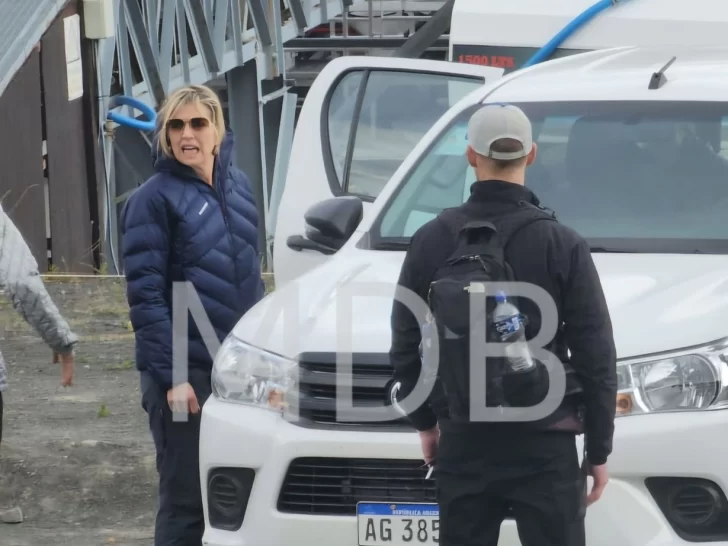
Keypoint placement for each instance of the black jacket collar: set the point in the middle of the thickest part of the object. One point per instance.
(489, 191)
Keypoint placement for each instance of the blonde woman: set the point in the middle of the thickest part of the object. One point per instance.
(194, 220)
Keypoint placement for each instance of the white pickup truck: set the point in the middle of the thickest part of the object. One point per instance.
(634, 159)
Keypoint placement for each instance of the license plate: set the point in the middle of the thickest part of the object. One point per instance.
(402, 524)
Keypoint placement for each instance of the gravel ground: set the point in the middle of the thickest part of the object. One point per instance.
(79, 461)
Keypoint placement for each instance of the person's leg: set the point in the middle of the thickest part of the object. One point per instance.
(549, 505)
(470, 515)
(180, 518)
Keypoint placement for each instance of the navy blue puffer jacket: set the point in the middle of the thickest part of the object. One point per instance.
(175, 227)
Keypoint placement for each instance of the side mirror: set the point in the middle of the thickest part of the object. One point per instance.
(329, 224)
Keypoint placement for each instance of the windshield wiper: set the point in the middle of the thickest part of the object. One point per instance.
(607, 250)
(611, 250)
(390, 245)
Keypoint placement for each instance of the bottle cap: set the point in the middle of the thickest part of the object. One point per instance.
(500, 296)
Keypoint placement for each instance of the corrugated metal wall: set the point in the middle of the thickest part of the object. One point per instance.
(70, 217)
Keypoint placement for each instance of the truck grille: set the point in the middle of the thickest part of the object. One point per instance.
(371, 379)
(329, 486)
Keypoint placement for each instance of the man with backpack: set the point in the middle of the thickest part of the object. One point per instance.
(488, 469)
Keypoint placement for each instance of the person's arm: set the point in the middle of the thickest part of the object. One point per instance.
(145, 248)
(407, 335)
(589, 335)
(20, 278)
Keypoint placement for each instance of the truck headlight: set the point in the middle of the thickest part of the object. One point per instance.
(245, 374)
(692, 379)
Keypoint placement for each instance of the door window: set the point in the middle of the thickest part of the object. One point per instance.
(375, 118)
(341, 118)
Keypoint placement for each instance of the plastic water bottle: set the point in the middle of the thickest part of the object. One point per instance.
(508, 325)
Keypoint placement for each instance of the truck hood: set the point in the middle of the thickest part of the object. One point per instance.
(657, 303)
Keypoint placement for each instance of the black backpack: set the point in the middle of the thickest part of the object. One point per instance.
(479, 257)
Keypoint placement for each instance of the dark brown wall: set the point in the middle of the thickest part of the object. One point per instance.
(21, 157)
(35, 107)
(71, 235)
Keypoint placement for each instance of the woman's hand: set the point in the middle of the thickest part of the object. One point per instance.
(183, 398)
(66, 361)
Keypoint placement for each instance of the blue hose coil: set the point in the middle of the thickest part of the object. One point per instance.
(587, 15)
(143, 125)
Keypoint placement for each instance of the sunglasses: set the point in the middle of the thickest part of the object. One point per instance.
(196, 124)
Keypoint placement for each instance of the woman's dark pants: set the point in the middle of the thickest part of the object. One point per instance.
(180, 518)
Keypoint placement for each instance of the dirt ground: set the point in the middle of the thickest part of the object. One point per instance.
(79, 461)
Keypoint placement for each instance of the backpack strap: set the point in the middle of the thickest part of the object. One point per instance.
(514, 221)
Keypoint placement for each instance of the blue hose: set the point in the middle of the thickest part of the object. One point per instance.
(546, 51)
(143, 125)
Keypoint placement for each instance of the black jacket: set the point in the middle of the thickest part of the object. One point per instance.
(551, 256)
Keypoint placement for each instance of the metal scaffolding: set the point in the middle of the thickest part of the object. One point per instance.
(245, 49)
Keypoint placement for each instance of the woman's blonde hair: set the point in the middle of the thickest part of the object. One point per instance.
(191, 94)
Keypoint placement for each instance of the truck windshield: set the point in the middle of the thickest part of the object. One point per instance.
(628, 176)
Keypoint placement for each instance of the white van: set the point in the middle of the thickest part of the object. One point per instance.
(633, 160)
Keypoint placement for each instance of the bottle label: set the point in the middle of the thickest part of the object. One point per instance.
(507, 327)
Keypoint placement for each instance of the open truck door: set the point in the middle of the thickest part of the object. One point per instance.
(361, 118)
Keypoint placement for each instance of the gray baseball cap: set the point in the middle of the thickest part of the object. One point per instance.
(496, 121)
